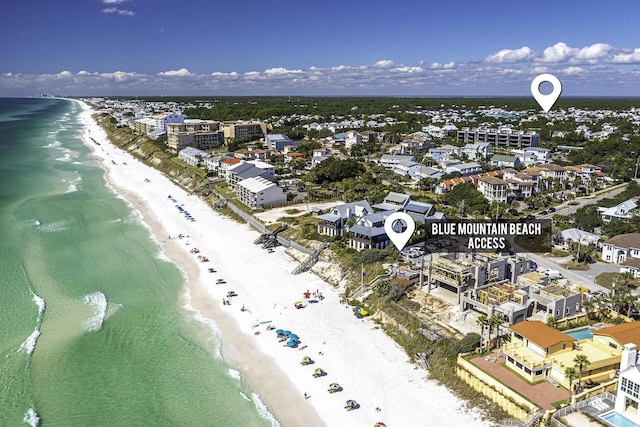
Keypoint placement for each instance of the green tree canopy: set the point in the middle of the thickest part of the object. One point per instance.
(334, 170)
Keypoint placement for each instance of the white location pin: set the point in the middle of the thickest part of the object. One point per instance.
(546, 101)
(399, 237)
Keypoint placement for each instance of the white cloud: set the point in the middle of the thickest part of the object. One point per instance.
(182, 72)
(561, 52)
(124, 12)
(114, 1)
(573, 70)
(628, 58)
(511, 55)
(279, 71)
(385, 63)
(597, 69)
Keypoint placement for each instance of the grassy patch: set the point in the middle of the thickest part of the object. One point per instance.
(580, 266)
(607, 279)
(559, 253)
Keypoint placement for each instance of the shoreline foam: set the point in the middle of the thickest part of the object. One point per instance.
(371, 368)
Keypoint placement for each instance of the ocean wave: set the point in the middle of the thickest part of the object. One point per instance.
(72, 188)
(54, 144)
(264, 411)
(161, 256)
(41, 306)
(31, 417)
(197, 315)
(98, 301)
(29, 345)
(65, 158)
(54, 227)
(235, 374)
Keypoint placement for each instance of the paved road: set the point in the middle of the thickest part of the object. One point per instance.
(567, 209)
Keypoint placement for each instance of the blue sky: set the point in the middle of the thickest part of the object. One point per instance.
(285, 47)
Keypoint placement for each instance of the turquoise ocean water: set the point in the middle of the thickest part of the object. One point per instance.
(91, 328)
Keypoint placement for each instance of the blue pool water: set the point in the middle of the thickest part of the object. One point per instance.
(618, 420)
(581, 334)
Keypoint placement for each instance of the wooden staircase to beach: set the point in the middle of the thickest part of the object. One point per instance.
(310, 260)
(270, 240)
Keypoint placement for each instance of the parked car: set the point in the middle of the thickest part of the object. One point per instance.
(544, 212)
(530, 217)
(552, 210)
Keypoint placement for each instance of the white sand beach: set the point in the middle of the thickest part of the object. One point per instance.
(369, 366)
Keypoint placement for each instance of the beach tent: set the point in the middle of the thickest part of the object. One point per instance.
(306, 360)
(333, 387)
(351, 404)
(318, 373)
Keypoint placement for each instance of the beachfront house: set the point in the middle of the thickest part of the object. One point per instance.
(393, 202)
(537, 351)
(194, 156)
(259, 192)
(628, 394)
(619, 248)
(334, 222)
(368, 232)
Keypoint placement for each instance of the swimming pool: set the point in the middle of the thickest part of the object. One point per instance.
(618, 420)
(581, 334)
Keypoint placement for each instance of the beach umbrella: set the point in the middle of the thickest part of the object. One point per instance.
(280, 332)
(306, 360)
(380, 425)
(292, 343)
(293, 337)
(334, 386)
(364, 312)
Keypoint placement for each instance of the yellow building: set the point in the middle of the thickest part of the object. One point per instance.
(538, 351)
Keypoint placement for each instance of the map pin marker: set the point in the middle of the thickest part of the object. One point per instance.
(393, 226)
(546, 101)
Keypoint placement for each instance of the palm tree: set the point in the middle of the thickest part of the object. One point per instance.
(589, 307)
(482, 321)
(494, 322)
(552, 321)
(581, 361)
(571, 374)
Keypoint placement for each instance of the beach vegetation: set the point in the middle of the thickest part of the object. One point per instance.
(469, 343)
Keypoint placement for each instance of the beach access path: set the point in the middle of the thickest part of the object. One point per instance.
(371, 368)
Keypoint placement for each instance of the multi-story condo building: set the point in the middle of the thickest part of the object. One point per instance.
(240, 129)
(201, 134)
(258, 192)
(503, 137)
